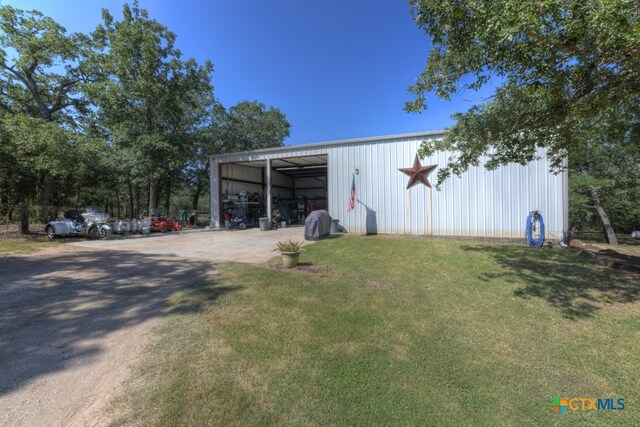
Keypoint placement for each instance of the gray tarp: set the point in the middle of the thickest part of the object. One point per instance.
(317, 225)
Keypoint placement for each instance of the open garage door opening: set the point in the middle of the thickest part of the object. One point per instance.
(283, 190)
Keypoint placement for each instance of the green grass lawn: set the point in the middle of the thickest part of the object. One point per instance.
(23, 244)
(396, 331)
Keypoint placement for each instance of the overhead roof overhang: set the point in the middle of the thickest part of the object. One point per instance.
(295, 167)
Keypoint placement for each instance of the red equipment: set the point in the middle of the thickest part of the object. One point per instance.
(161, 224)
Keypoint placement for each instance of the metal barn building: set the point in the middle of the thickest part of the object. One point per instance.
(480, 203)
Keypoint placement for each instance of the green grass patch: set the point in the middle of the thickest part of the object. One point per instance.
(23, 244)
(396, 331)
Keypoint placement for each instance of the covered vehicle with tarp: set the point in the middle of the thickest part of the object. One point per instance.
(317, 225)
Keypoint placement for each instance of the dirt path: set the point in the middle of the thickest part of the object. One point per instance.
(73, 322)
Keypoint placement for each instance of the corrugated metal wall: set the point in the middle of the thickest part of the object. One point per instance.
(480, 203)
(253, 174)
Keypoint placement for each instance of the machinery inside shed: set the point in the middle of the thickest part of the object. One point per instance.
(294, 188)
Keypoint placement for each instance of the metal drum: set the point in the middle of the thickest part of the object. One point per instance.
(146, 226)
(133, 225)
(140, 225)
(127, 226)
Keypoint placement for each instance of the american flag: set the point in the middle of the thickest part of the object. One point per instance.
(352, 197)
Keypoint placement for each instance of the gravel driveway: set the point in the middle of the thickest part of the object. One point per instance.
(73, 321)
(252, 245)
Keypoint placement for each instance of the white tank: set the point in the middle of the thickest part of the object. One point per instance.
(146, 226)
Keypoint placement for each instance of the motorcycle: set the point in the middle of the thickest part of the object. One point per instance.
(91, 224)
(239, 222)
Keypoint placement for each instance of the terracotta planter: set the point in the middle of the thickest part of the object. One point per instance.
(290, 259)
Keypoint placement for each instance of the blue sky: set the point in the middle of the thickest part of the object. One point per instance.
(337, 69)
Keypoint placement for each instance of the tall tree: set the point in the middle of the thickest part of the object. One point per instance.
(149, 99)
(40, 101)
(604, 189)
(560, 64)
(248, 125)
(605, 174)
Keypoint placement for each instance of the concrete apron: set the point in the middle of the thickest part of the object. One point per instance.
(249, 246)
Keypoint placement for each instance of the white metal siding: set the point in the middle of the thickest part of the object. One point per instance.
(479, 203)
(253, 174)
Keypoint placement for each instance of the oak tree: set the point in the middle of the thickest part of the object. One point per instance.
(40, 103)
(559, 65)
(148, 98)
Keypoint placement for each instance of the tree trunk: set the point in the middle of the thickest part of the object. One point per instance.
(24, 217)
(47, 198)
(167, 198)
(78, 198)
(153, 195)
(129, 211)
(4, 205)
(136, 198)
(196, 197)
(116, 194)
(609, 234)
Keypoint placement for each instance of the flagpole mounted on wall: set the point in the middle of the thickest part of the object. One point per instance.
(352, 195)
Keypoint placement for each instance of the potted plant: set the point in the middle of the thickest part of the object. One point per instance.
(290, 251)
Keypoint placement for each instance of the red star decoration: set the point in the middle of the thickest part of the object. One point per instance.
(418, 173)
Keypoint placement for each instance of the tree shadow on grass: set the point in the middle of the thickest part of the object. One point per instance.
(53, 308)
(197, 297)
(574, 285)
